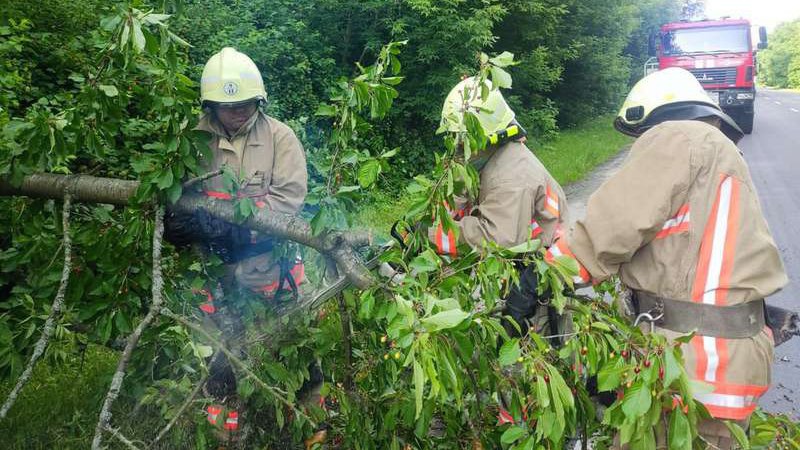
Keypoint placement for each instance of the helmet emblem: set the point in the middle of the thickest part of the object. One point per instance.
(230, 88)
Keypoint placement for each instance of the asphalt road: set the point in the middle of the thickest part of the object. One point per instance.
(773, 154)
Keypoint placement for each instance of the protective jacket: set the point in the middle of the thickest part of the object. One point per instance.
(682, 220)
(518, 200)
(268, 156)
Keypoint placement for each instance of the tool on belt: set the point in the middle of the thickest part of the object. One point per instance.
(728, 322)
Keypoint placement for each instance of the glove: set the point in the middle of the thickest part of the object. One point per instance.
(523, 300)
(212, 227)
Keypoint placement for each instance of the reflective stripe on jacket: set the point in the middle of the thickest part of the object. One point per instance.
(681, 219)
(518, 200)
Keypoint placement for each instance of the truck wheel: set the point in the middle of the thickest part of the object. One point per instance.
(745, 121)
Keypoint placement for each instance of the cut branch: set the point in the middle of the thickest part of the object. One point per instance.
(55, 312)
(336, 245)
(277, 393)
(157, 291)
(185, 404)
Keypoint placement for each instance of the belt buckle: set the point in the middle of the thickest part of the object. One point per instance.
(652, 316)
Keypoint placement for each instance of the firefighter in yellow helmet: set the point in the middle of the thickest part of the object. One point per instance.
(269, 162)
(681, 225)
(266, 157)
(518, 199)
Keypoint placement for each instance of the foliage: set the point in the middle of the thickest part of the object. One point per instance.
(779, 64)
(423, 363)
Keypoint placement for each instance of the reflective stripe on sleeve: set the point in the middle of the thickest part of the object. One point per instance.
(560, 248)
(536, 229)
(551, 202)
(445, 243)
(677, 224)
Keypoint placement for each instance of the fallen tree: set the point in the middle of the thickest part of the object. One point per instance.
(339, 246)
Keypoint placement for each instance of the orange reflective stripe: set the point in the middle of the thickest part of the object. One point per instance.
(298, 272)
(730, 413)
(445, 244)
(219, 195)
(261, 204)
(213, 411)
(551, 202)
(536, 229)
(560, 248)
(232, 422)
(711, 285)
(678, 223)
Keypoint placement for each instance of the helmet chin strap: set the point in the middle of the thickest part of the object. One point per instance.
(512, 132)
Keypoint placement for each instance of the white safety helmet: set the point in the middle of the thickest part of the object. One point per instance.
(669, 94)
(231, 77)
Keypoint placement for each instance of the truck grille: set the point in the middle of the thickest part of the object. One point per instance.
(725, 75)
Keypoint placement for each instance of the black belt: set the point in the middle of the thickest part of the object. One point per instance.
(729, 322)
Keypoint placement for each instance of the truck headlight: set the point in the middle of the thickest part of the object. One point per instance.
(744, 96)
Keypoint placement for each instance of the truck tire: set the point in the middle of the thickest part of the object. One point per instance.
(745, 121)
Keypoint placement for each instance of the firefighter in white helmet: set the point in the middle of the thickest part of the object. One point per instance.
(681, 224)
(518, 199)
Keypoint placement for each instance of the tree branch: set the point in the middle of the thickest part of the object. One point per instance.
(275, 392)
(120, 437)
(337, 245)
(157, 291)
(55, 312)
(185, 404)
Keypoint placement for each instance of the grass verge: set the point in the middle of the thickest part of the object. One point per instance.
(574, 153)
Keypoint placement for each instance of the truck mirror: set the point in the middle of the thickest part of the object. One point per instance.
(651, 44)
(762, 37)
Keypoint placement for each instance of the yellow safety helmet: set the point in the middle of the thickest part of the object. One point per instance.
(669, 94)
(492, 112)
(231, 77)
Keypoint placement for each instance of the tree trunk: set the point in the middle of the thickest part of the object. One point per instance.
(339, 246)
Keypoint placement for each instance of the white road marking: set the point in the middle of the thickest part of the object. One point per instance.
(777, 103)
(794, 110)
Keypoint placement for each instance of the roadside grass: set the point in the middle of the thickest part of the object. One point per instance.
(59, 407)
(575, 152)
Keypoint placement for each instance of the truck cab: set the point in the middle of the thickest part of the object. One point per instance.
(719, 53)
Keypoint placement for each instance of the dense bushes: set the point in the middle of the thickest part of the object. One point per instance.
(779, 65)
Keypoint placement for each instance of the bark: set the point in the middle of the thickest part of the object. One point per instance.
(336, 245)
(55, 313)
(133, 340)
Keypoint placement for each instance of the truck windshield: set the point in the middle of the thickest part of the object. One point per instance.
(705, 40)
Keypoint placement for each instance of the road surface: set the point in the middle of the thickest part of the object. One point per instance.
(773, 154)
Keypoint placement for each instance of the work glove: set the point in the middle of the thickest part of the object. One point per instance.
(524, 299)
(182, 229)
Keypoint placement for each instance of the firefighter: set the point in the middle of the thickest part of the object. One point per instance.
(518, 199)
(269, 162)
(681, 225)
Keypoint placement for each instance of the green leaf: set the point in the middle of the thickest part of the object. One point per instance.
(500, 78)
(526, 247)
(510, 352)
(610, 376)
(109, 90)
(426, 261)
(637, 400)
(512, 434)
(672, 369)
(679, 433)
(444, 320)
(736, 431)
(138, 37)
(419, 387)
(174, 193)
(326, 110)
(368, 173)
(166, 179)
(504, 59)
(321, 220)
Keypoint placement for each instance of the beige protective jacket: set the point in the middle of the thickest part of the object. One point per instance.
(681, 219)
(267, 154)
(518, 200)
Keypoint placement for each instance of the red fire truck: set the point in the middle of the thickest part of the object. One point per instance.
(720, 55)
